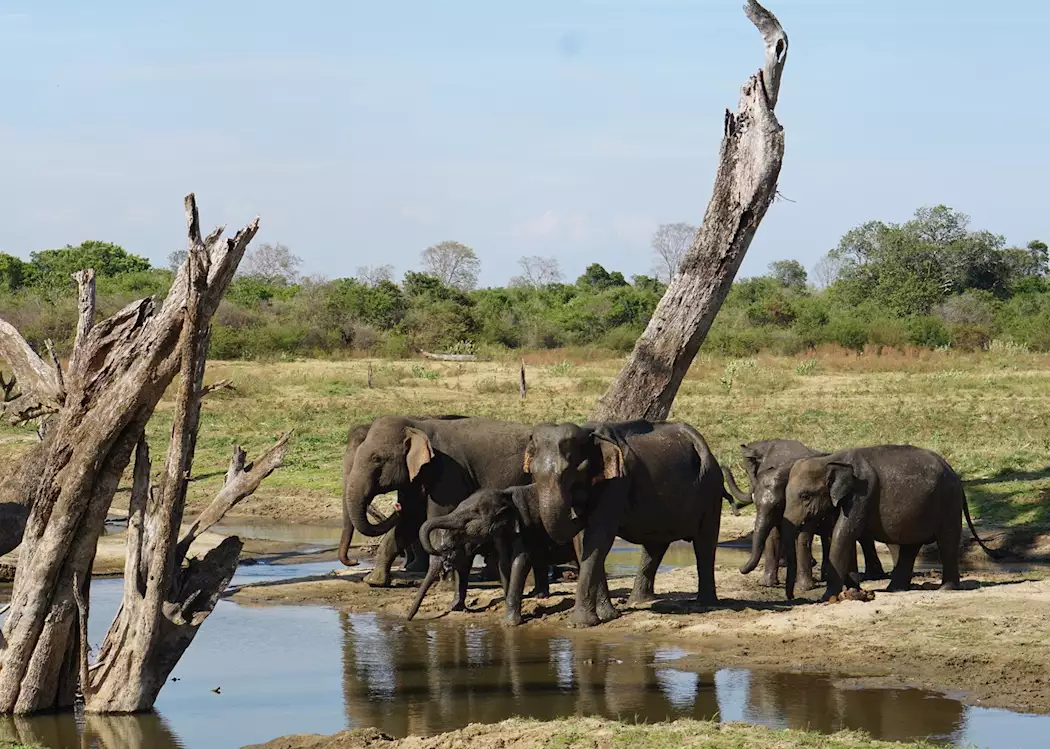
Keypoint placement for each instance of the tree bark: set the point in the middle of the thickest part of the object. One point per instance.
(749, 164)
(119, 370)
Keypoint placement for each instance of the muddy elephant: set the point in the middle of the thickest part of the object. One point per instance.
(404, 537)
(898, 494)
(439, 463)
(768, 463)
(510, 520)
(649, 483)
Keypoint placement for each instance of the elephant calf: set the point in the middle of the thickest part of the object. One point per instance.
(768, 463)
(649, 483)
(509, 519)
(899, 494)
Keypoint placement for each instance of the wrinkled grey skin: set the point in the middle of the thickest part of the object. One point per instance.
(404, 537)
(445, 460)
(649, 483)
(899, 494)
(768, 463)
(510, 520)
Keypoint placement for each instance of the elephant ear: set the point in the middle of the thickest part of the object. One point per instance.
(612, 462)
(529, 452)
(840, 480)
(420, 451)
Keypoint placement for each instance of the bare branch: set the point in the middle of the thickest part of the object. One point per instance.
(776, 48)
(219, 385)
(36, 380)
(193, 222)
(241, 481)
(86, 318)
(134, 574)
(82, 622)
(59, 379)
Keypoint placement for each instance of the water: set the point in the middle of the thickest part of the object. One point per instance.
(311, 669)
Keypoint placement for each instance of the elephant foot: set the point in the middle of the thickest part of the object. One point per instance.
(898, 587)
(876, 575)
(769, 581)
(512, 620)
(540, 595)
(829, 593)
(807, 583)
(707, 599)
(458, 606)
(378, 578)
(607, 612)
(581, 618)
(950, 585)
(640, 597)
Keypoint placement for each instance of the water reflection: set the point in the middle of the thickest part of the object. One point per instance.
(69, 731)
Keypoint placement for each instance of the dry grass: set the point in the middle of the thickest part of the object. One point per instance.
(594, 733)
(985, 413)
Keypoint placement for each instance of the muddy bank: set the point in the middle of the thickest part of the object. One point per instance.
(987, 643)
(590, 733)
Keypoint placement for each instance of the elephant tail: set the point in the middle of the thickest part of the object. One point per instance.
(969, 521)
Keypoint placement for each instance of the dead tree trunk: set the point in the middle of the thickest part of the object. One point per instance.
(120, 368)
(749, 165)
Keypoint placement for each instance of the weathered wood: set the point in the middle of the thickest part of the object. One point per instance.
(749, 165)
(241, 481)
(521, 387)
(121, 367)
(85, 280)
(449, 357)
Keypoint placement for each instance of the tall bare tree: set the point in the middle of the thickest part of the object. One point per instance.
(274, 262)
(373, 275)
(99, 405)
(748, 167)
(537, 272)
(453, 264)
(670, 243)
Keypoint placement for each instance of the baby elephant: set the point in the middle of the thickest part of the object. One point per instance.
(899, 494)
(508, 519)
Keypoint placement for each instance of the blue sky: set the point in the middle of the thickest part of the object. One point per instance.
(361, 132)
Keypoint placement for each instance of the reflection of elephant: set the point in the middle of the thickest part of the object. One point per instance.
(443, 460)
(510, 520)
(898, 494)
(649, 483)
(403, 538)
(768, 463)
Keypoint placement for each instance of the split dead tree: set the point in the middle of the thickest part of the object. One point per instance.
(748, 168)
(98, 409)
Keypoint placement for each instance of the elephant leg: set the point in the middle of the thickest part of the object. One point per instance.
(872, 564)
(519, 569)
(541, 582)
(771, 561)
(705, 545)
(490, 572)
(387, 552)
(948, 538)
(505, 554)
(417, 561)
(843, 546)
(805, 563)
(597, 540)
(904, 567)
(606, 610)
(651, 557)
(462, 568)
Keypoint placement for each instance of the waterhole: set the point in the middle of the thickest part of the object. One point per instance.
(311, 669)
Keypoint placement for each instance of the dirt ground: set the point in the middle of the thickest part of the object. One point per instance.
(989, 643)
(590, 733)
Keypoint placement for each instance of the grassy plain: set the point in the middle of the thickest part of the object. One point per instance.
(986, 413)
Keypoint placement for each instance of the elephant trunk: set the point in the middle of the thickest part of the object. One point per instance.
(358, 499)
(741, 498)
(788, 537)
(763, 527)
(432, 575)
(556, 512)
(445, 522)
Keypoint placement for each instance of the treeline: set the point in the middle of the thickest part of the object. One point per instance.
(930, 282)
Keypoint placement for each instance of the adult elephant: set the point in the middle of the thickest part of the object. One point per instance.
(437, 463)
(649, 483)
(768, 463)
(402, 538)
(899, 494)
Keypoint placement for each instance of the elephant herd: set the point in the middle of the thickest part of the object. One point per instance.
(528, 497)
